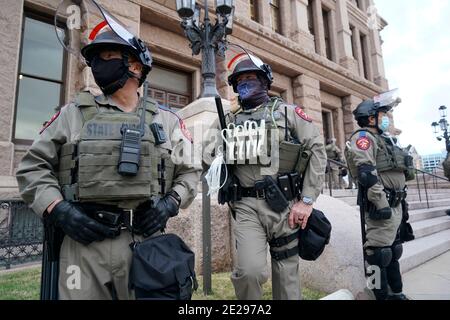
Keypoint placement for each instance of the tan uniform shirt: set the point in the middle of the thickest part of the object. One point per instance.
(36, 177)
(299, 127)
(365, 148)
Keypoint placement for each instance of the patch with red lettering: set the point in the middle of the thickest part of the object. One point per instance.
(363, 143)
(49, 122)
(186, 132)
(299, 111)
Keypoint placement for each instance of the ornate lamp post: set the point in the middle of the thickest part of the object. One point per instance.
(206, 37)
(443, 125)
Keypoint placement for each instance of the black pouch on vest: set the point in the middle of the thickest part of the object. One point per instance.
(275, 198)
(162, 268)
(315, 237)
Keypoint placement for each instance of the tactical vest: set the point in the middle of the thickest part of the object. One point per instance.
(88, 167)
(293, 156)
(389, 157)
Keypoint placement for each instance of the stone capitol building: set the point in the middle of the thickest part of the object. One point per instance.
(326, 56)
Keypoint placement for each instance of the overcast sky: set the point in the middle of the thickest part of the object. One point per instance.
(417, 60)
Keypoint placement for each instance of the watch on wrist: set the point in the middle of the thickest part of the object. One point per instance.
(308, 201)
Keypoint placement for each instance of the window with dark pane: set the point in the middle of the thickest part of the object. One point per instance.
(253, 8)
(41, 77)
(275, 15)
(326, 27)
(171, 88)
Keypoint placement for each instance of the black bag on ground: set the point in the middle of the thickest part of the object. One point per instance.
(163, 269)
(315, 237)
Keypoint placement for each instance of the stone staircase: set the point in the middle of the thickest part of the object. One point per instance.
(431, 225)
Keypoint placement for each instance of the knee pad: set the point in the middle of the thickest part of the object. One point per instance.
(380, 257)
(397, 251)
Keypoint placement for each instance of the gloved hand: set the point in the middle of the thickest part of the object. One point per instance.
(382, 214)
(152, 217)
(78, 225)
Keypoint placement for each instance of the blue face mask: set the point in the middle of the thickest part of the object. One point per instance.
(384, 124)
(252, 93)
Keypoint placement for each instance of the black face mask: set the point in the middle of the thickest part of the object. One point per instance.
(110, 75)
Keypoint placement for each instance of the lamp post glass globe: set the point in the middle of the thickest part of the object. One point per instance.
(185, 8)
(443, 110)
(224, 7)
(435, 126)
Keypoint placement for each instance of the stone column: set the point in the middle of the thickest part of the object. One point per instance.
(344, 37)
(319, 28)
(286, 17)
(333, 42)
(349, 104)
(11, 33)
(359, 52)
(377, 56)
(299, 25)
(265, 18)
(307, 95)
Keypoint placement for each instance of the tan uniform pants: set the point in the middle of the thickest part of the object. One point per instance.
(383, 233)
(256, 224)
(98, 271)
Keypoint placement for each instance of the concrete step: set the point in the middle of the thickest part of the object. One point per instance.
(411, 198)
(421, 250)
(416, 205)
(411, 192)
(423, 214)
(430, 226)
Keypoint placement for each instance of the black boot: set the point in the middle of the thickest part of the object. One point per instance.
(400, 296)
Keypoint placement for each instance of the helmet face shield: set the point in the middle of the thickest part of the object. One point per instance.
(97, 20)
(241, 61)
(388, 100)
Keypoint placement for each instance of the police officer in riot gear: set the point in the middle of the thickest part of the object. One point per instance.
(380, 167)
(269, 203)
(71, 174)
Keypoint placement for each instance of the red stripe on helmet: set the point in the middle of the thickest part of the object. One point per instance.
(235, 58)
(97, 29)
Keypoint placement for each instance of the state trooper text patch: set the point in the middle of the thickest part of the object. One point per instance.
(49, 122)
(363, 143)
(302, 114)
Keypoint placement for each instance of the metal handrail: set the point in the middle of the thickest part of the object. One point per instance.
(417, 172)
(425, 184)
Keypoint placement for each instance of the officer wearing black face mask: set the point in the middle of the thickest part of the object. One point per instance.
(70, 174)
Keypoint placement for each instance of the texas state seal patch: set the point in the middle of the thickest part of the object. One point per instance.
(186, 131)
(363, 143)
(49, 122)
(299, 111)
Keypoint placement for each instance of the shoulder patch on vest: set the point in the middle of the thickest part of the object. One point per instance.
(183, 127)
(49, 122)
(363, 143)
(299, 111)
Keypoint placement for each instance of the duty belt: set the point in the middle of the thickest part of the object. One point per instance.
(108, 215)
(395, 197)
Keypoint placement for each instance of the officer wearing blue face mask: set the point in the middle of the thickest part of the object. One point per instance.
(381, 169)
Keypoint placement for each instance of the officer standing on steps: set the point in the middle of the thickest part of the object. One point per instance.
(82, 176)
(335, 154)
(380, 167)
(269, 203)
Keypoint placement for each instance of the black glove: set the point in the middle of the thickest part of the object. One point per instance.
(152, 217)
(382, 214)
(78, 225)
